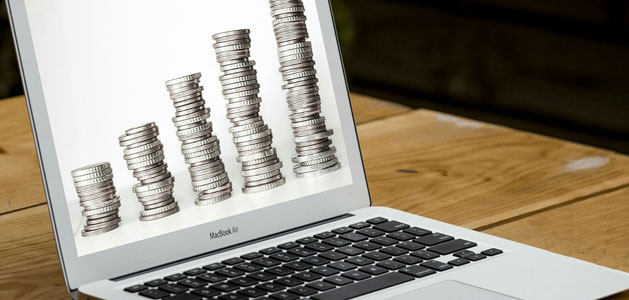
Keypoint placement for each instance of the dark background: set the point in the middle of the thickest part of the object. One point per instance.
(559, 68)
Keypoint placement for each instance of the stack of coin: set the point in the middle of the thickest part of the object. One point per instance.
(260, 165)
(199, 146)
(145, 157)
(97, 196)
(315, 154)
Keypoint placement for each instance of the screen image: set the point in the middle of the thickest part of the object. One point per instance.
(171, 114)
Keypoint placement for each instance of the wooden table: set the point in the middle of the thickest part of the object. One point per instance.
(564, 197)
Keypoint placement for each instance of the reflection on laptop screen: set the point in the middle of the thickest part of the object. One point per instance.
(170, 114)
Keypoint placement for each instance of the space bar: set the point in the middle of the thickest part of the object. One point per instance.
(365, 287)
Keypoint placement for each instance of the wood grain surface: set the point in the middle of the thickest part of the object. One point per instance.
(509, 183)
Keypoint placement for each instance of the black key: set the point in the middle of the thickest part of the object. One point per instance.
(492, 252)
(395, 251)
(351, 251)
(262, 276)
(233, 261)
(252, 292)
(407, 259)
(248, 267)
(338, 280)
(154, 294)
(225, 287)
(173, 288)
(452, 246)
(211, 278)
(359, 261)
(359, 225)
(214, 266)
(410, 246)
(271, 287)
(369, 246)
(391, 265)
(424, 254)
(155, 282)
(354, 237)
(319, 247)
(270, 250)
(400, 236)
(325, 271)
(135, 288)
(436, 265)
(206, 292)
(391, 226)
(175, 277)
(433, 239)
(195, 272)
(476, 257)
(373, 270)
(303, 291)
(356, 275)
(324, 235)
(364, 287)
(266, 262)
(459, 262)
(331, 255)
(279, 271)
(377, 220)
(321, 285)
(464, 253)
(370, 232)
(250, 256)
(343, 266)
(336, 242)
(418, 271)
(384, 241)
(417, 231)
(185, 296)
(298, 266)
(306, 240)
(231, 272)
(315, 261)
(307, 276)
(342, 230)
(288, 245)
(377, 256)
(243, 281)
(302, 252)
(232, 297)
(284, 296)
(192, 283)
(284, 257)
(289, 281)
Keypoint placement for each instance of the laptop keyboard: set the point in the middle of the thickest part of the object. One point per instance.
(344, 263)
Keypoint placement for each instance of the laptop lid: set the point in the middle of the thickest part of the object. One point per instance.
(93, 69)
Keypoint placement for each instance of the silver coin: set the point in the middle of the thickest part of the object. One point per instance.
(261, 170)
(155, 191)
(86, 233)
(104, 224)
(211, 185)
(249, 184)
(90, 169)
(94, 175)
(319, 172)
(101, 220)
(160, 215)
(149, 207)
(265, 187)
(204, 202)
(262, 176)
(137, 188)
(203, 157)
(299, 159)
(101, 210)
(317, 167)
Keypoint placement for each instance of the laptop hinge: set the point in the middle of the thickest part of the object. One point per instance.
(232, 247)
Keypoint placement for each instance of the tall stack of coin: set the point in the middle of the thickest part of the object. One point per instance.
(260, 165)
(315, 154)
(97, 196)
(144, 155)
(199, 146)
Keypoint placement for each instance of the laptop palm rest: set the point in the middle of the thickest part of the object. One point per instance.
(452, 290)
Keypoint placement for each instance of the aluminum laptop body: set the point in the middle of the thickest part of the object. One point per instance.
(94, 69)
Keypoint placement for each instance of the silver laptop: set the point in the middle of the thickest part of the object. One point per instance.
(198, 149)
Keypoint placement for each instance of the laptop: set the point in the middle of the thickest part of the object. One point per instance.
(200, 149)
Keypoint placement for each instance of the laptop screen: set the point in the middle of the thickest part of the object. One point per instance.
(166, 115)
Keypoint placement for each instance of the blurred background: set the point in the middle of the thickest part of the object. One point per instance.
(558, 68)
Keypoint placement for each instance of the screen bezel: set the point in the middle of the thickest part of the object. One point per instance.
(156, 251)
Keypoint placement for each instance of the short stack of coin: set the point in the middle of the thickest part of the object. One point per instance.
(97, 196)
(260, 165)
(315, 154)
(144, 155)
(200, 148)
